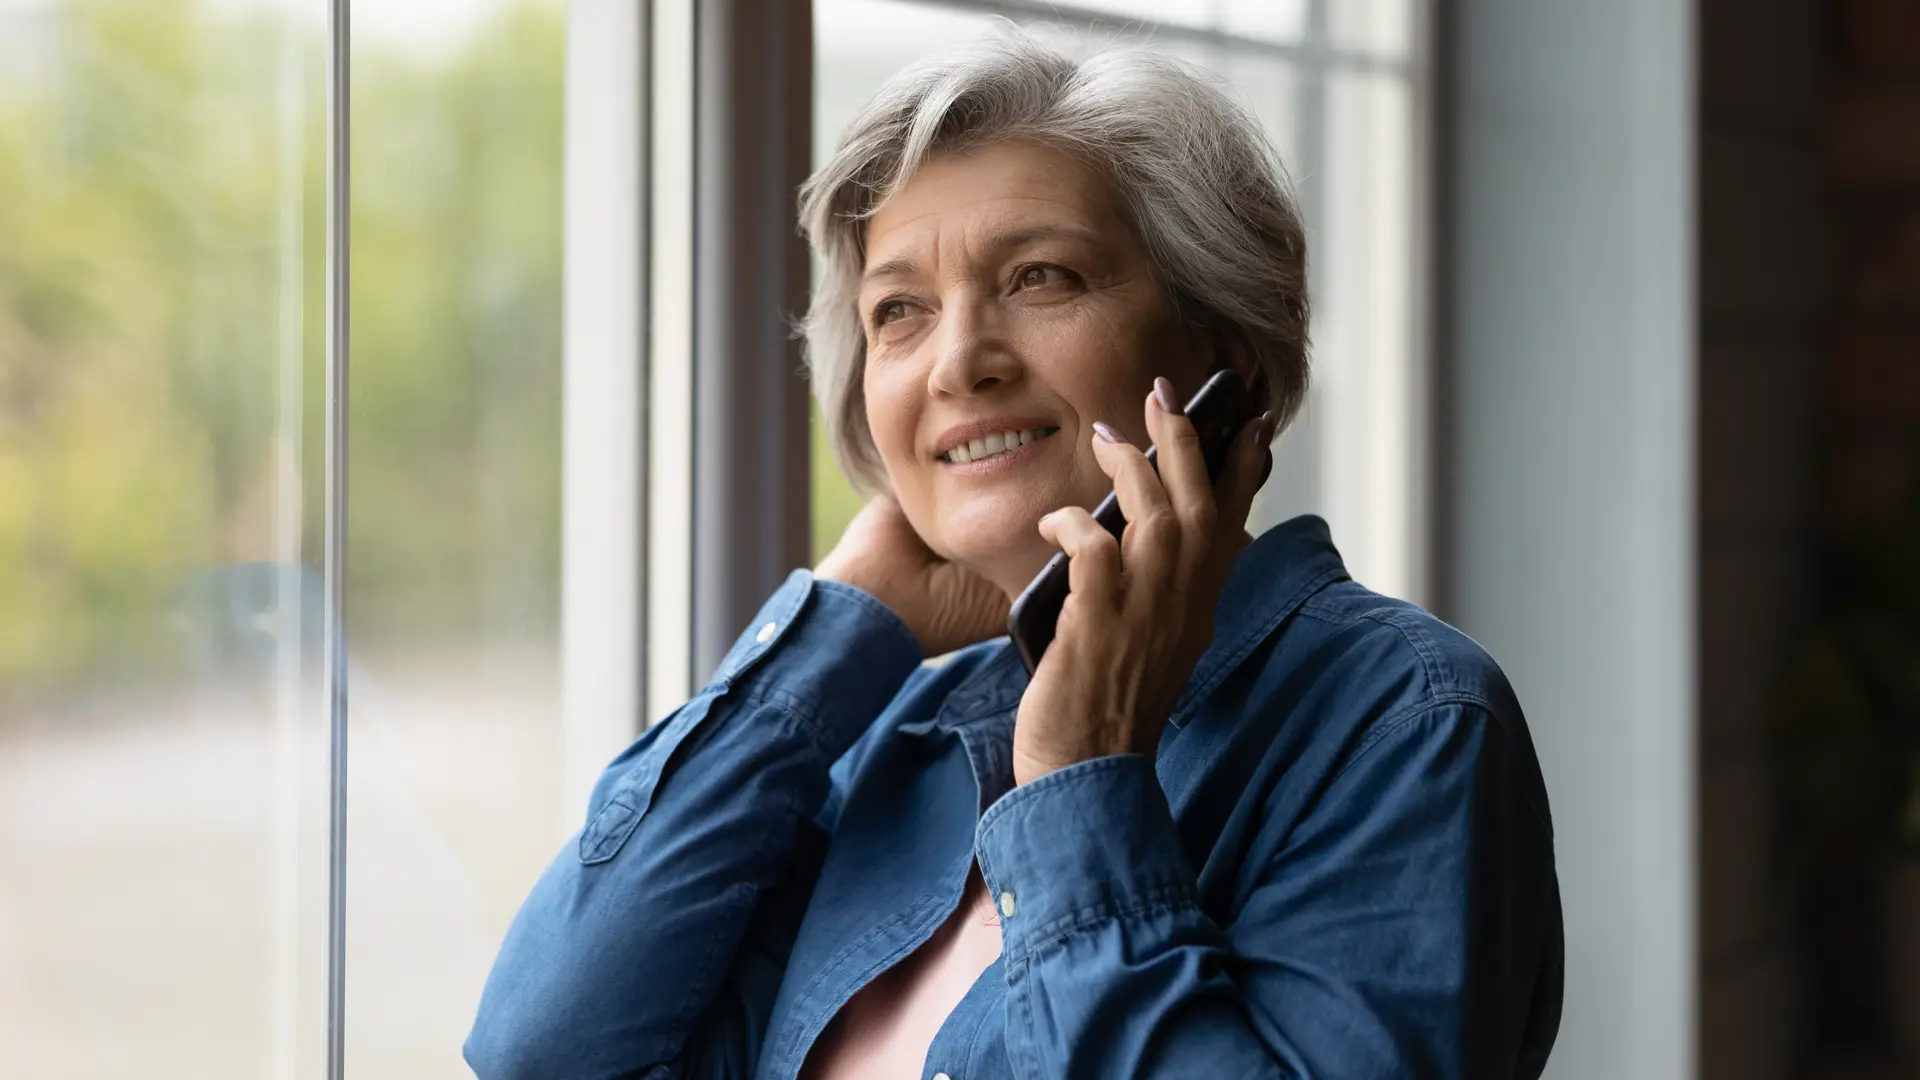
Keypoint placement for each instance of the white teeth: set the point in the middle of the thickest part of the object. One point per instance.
(997, 443)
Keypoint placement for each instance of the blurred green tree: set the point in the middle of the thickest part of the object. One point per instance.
(161, 296)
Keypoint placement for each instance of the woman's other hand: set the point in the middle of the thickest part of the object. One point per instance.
(1139, 613)
(946, 605)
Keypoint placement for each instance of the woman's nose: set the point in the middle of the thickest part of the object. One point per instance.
(971, 350)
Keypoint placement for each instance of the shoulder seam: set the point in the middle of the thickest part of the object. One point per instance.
(1393, 722)
(1215, 673)
(1433, 667)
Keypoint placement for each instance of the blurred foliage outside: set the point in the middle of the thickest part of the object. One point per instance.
(161, 290)
(834, 500)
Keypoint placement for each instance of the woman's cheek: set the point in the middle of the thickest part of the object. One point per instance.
(890, 414)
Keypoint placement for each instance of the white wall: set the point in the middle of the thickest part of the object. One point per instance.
(1569, 517)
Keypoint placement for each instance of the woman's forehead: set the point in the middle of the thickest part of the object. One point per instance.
(994, 198)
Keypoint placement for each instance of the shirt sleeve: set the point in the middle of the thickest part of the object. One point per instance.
(654, 942)
(1407, 926)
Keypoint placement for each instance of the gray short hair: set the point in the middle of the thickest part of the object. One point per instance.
(1195, 174)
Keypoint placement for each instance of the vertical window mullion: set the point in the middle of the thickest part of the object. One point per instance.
(604, 421)
(334, 613)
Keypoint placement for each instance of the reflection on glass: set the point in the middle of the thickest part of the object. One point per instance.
(161, 764)
(454, 515)
(1339, 117)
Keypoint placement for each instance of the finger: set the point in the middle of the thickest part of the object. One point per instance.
(1240, 478)
(1183, 472)
(1150, 544)
(1093, 572)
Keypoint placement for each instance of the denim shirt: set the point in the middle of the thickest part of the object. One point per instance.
(1338, 864)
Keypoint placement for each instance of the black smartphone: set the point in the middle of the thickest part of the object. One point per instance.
(1218, 412)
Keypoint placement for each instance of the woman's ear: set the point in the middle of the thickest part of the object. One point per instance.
(1231, 352)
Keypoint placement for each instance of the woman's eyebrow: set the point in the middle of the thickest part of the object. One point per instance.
(997, 245)
(900, 266)
(1032, 234)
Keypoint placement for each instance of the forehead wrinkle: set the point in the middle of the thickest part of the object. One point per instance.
(988, 237)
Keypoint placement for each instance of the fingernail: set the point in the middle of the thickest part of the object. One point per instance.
(1108, 433)
(1163, 393)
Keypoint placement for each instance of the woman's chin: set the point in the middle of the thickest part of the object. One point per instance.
(1009, 564)
(996, 533)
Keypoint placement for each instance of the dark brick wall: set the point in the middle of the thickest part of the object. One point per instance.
(1871, 386)
(1762, 306)
(1809, 398)
(1867, 407)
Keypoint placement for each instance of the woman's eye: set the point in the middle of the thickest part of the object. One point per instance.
(889, 311)
(1034, 277)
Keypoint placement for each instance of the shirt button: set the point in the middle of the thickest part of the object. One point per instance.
(941, 1076)
(1006, 905)
(766, 633)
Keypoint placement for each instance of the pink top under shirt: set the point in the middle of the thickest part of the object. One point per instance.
(884, 1031)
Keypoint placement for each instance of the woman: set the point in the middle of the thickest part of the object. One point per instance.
(1246, 819)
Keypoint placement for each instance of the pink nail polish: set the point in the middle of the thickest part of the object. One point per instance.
(1108, 433)
(1163, 394)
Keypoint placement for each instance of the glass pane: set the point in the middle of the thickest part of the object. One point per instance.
(162, 752)
(1268, 20)
(1383, 28)
(454, 517)
(1355, 430)
(1375, 28)
(1346, 139)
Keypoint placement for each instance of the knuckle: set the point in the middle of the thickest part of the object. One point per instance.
(1158, 525)
(1100, 554)
(1204, 515)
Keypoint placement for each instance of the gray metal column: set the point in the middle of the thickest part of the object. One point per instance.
(752, 146)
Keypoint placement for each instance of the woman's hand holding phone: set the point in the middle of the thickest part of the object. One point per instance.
(1139, 613)
(945, 605)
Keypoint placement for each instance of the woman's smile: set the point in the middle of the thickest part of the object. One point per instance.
(997, 451)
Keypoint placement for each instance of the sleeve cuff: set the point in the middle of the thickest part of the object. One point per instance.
(1084, 844)
(831, 653)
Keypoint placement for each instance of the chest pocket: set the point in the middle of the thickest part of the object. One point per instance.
(623, 805)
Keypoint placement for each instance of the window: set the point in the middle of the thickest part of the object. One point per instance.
(163, 743)
(454, 510)
(162, 804)
(1332, 83)
(521, 339)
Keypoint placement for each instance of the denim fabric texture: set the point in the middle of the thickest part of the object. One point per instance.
(1339, 864)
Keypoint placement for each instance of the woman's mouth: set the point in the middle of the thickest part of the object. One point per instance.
(990, 447)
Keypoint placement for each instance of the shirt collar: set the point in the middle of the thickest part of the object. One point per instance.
(1269, 581)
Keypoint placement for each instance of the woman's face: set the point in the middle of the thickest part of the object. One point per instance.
(1004, 293)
